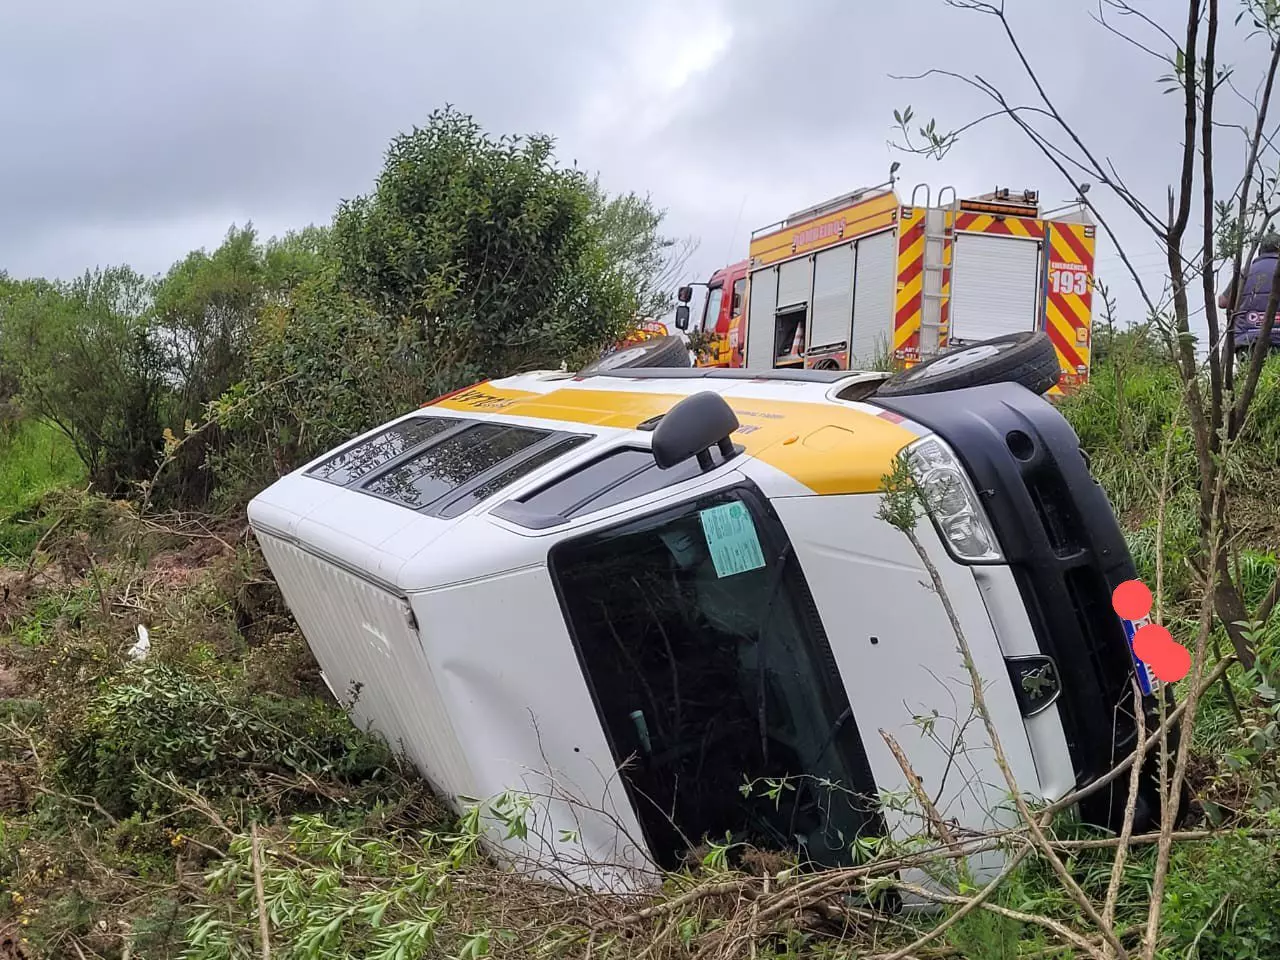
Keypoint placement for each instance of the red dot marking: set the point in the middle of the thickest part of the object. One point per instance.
(1155, 647)
(1150, 641)
(1132, 600)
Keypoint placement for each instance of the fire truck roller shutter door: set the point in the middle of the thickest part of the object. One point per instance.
(795, 282)
(873, 298)
(832, 296)
(995, 285)
(795, 288)
(762, 303)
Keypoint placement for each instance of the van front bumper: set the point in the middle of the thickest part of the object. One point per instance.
(1067, 554)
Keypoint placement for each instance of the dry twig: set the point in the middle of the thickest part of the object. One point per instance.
(263, 922)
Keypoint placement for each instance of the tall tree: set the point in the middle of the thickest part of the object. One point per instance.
(652, 264)
(1205, 224)
(498, 255)
(84, 358)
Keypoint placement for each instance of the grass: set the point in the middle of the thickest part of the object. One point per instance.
(36, 458)
(148, 784)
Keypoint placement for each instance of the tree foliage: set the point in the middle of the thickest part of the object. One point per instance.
(651, 263)
(85, 357)
(496, 254)
(324, 366)
(207, 310)
(472, 257)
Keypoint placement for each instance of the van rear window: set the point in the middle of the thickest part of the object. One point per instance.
(367, 456)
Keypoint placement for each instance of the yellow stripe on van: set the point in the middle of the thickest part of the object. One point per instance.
(828, 448)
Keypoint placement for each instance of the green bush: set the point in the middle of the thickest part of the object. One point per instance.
(1223, 901)
(501, 258)
(474, 257)
(157, 724)
(207, 309)
(1130, 421)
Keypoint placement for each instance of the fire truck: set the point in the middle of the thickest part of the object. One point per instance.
(868, 281)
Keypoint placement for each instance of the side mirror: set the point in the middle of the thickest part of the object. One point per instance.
(691, 428)
(682, 317)
(684, 294)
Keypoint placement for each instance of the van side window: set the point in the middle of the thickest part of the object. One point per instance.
(362, 459)
(444, 466)
(711, 671)
(615, 478)
(491, 485)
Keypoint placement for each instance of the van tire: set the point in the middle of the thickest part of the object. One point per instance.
(1025, 358)
(670, 351)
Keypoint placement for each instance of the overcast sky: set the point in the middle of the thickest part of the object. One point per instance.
(136, 130)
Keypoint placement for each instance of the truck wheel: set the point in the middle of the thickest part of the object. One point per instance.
(1026, 358)
(658, 352)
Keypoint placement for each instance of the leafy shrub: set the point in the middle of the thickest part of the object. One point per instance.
(1128, 421)
(156, 724)
(323, 367)
(1223, 900)
(208, 308)
(474, 257)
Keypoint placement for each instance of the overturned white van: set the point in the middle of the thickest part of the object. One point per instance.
(645, 596)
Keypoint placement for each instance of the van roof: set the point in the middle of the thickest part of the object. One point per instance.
(804, 427)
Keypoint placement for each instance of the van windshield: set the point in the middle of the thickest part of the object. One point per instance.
(714, 680)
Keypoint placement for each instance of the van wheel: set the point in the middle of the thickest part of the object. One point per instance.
(1025, 358)
(669, 351)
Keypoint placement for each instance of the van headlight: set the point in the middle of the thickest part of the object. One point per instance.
(952, 502)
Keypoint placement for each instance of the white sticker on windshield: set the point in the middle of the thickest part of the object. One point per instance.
(732, 539)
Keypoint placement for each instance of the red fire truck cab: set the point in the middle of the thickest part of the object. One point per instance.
(720, 326)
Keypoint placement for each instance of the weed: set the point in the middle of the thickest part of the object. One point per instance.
(1223, 901)
(155, 727)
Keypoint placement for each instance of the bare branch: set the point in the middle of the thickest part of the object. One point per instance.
(1207, 271)
(1033, 824)
(1123, 9)
(1245, 398)
(1101, 19)
(264, 924)
(1131, 806)
(1044, 96)
(1071, 799)
(974, 903)
(1067, 934)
